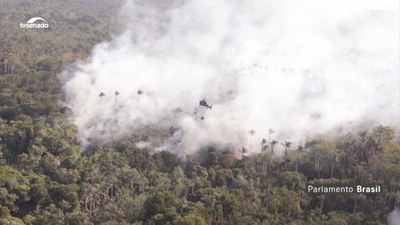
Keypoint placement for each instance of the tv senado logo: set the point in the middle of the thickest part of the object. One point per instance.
(35, 22)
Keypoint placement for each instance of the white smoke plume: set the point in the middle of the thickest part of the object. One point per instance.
(394, 217)
(299, 67)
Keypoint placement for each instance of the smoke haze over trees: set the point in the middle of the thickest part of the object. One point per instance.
(302, 68)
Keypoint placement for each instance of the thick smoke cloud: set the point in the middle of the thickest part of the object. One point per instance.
(300, 67)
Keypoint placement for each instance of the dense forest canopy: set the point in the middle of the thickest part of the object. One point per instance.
(46, 178)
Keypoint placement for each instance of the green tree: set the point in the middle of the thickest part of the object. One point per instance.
(189, 219)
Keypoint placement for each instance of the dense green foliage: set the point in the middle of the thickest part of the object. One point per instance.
(45, 179)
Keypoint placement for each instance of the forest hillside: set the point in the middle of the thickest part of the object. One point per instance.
(47, 178)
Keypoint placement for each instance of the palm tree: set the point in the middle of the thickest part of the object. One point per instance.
(263, 145)
(273, 143)
(101, 95)
(140, 92)
(287, 145)
(116, 96)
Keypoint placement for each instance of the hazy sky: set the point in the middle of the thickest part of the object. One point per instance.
(301, 68)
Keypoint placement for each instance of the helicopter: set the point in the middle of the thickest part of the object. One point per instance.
(203, 103)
